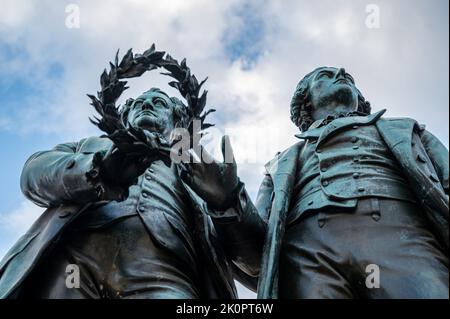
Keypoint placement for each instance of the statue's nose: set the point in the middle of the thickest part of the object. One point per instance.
(147, 105)
(341, 72)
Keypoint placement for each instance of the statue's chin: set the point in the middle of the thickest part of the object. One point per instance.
(342, 94)
(343, 89)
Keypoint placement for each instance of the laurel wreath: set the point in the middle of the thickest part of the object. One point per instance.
(134, 140)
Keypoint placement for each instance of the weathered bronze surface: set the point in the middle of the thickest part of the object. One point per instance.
(357, 190)
(116, 205)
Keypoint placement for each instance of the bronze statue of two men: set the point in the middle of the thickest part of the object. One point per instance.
(357, 190)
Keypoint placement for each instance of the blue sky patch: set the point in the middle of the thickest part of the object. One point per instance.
(245, 42)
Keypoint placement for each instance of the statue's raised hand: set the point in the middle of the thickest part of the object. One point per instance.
(215, 182)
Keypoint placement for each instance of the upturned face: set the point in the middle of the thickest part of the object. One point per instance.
(332, 91)
(152, 111)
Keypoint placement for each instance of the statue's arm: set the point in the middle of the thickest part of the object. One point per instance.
(243, 237)
(240, 225)
(58, 176)
(439, 156)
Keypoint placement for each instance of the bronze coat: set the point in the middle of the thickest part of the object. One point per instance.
(59, 170)
(423, 158)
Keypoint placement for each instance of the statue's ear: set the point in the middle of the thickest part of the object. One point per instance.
(125, 111)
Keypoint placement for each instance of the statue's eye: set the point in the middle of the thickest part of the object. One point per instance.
(159, 101)
(324, 75)
(137, 104)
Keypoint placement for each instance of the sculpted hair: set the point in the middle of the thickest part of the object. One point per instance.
(301, 105)
(180, 113)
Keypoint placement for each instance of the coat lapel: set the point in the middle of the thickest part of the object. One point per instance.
(399, 135)
(344, 122)
(282, 168)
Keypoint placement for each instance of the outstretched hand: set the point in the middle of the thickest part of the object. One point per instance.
(215, 182)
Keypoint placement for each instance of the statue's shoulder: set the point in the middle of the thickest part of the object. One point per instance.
(94, 143)
(400, 122)
(397, 119)
(288, 152)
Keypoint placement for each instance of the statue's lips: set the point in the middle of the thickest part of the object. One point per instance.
(343, 81)
(146, 113)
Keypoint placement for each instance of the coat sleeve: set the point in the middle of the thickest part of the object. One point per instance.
(265, 197)
(58, 176)
(243, 237)
(438, 155)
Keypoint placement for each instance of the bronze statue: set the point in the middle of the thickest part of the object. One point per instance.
(116, 205)
(357, 190)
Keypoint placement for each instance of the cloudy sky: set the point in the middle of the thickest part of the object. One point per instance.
(254, 53)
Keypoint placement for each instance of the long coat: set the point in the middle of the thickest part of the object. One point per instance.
(423, 158)
(46, 179)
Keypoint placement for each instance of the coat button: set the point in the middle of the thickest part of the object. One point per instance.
(310, 202)
(355, 147)
(148, 177)
(144, 194)
(354, 139)
(354, 127)
(361, 189)
(325, 183)
(355, 175)
(323, 169)
(376, 216)
(141, 209)
(318, 151)
(321, 222)
(355, 159)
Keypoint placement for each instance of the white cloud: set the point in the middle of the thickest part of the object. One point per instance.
(15, 223)
(19, 220)
(299, 36)
(14, 14)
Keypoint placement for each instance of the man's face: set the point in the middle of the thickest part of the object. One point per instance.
(332, 91)
(152, 111)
